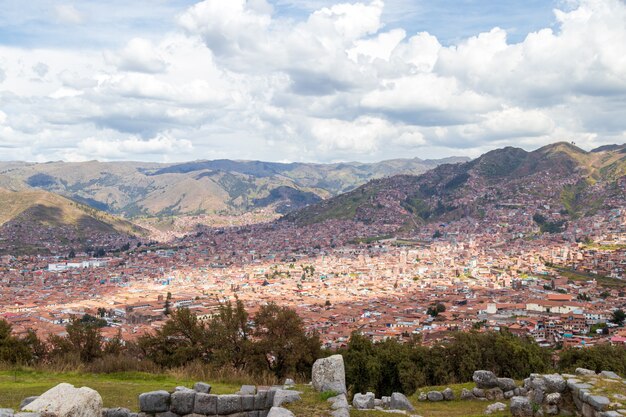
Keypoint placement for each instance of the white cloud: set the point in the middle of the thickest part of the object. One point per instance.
(66, 13)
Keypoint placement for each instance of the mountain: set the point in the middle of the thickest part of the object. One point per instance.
(200, 187)
(560, 176)
(38, 221)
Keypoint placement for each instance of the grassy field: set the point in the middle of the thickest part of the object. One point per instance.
(122, 390)
(117, 390)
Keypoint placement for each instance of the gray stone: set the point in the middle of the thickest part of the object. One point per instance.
(598, 402)
(254, 413)
(509, 394)
(495, 408)
(181, 388)
(448, 394)
(283, 396)
(329, 374)
(341, 412)
(478, 392)
(269, 401)
(494, 394)
(583, 371)
(205, 404)
(485, 379)
(247, 389)
(64, 400)
(117, 412)
(289, 382)
(339, 401)
(6, 412)
(422, 397)
(166, 414)
(247, 402)
(434, 396)
(202, 387)
(506, 384)
(554, 383)
(280, 412)
(400, 402)
(181, 402)
(363, 401)
(553, 398)
(27, 414)
(27, 401)
(386, 401)
(228, 404)
(610, 375)
(609, 414)
(378, 402)
(466, 394)
(260, 400)
(521, 407)
(551, 409)
(154, 401)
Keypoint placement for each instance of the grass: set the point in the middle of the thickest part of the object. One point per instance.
(117, 389)
(602, 280)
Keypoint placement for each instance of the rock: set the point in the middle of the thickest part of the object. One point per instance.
(466, 394)
(341, 412)
(166, 414)
(448, 394)
(521, 407)
(509, 394)
(280, 412)
(609, 414)
(181, 388)
(228, 404)
(554, 383)
(340, 401)
(363, 401)
(434, 396)
(378, 402)
(27, 415)
(494, 394)
(329, 374)
(400, 402)
(181, 402)
(6, 412)
(495, 408)
(283, 396)
(247, 390)
(27, 401)
(66, 401)
(598, 402)
(551, 409)
(583, 371)
(422, 397)
(202, 387)
(154, 402)
(206, 404)
(485, 379)
(506, 384)
(610, 375)
(289, 382)
(260, 400)
(553, 398)
(117, 412)
(478, 392)
(247, 402)
(386, 401)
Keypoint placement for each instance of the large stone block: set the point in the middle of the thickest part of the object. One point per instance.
(202, 387)
(260, 400)
(506, 384)
(228, 404)
(280, 412)
(448, 394)
(247, 402)
(283, 396)
(598, 402)
(205, 404)
(554, 383)
(182, 402)
(434, 396)
(363, 401)
(400, 402)
(117, 412)
(154, 402)
(329, 374)
(66, 401)
(521, 407)
(485, 379)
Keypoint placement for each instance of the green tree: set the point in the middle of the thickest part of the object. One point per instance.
(83, 339)
(618, 317)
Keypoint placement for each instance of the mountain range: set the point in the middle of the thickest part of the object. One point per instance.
(136, 189)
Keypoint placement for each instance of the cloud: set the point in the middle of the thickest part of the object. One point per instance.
(329, 81)
(66, 13)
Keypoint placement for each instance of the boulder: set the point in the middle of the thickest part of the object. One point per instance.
(363, 401)
(202, 387)
(27, 401)
(6, 412)
(400, 402)
(554, 383)
(66, 401)
(329, 374)
(283, 396)
(510, 394)
(289, 382)
(340, 401)
(448, 394)
(506, 384)
(386, 401)
(553, 398)
(181, 402)
(206, 404)
(280, 412)
(260, 400)
(341, 412)
(598, 402)
(478, 392)
(247, 390)
(495, 408)
(610, 375)
(485, 379)
(422, 397)
(434, 396)
(521, 407)
(583, 371)
(467, 394)
(229, 404)
(494, 394)
(247, 402)
(154, 402)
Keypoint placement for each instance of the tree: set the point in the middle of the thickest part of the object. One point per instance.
(283, 342)
(230, 331)
(72, 254)
(435, 309)
(12, 349)
(618, 317)
(168, 304)
(83, 339)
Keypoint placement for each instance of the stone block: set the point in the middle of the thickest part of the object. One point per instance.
(228, 404)
(154, 402)
(205, 404)
(182, 402)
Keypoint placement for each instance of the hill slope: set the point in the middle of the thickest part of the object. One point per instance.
(560, 176)
(211, 187)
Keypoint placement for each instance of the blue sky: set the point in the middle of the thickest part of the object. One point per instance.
(307, 80)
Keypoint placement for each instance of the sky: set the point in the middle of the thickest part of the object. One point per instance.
(307, 80)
